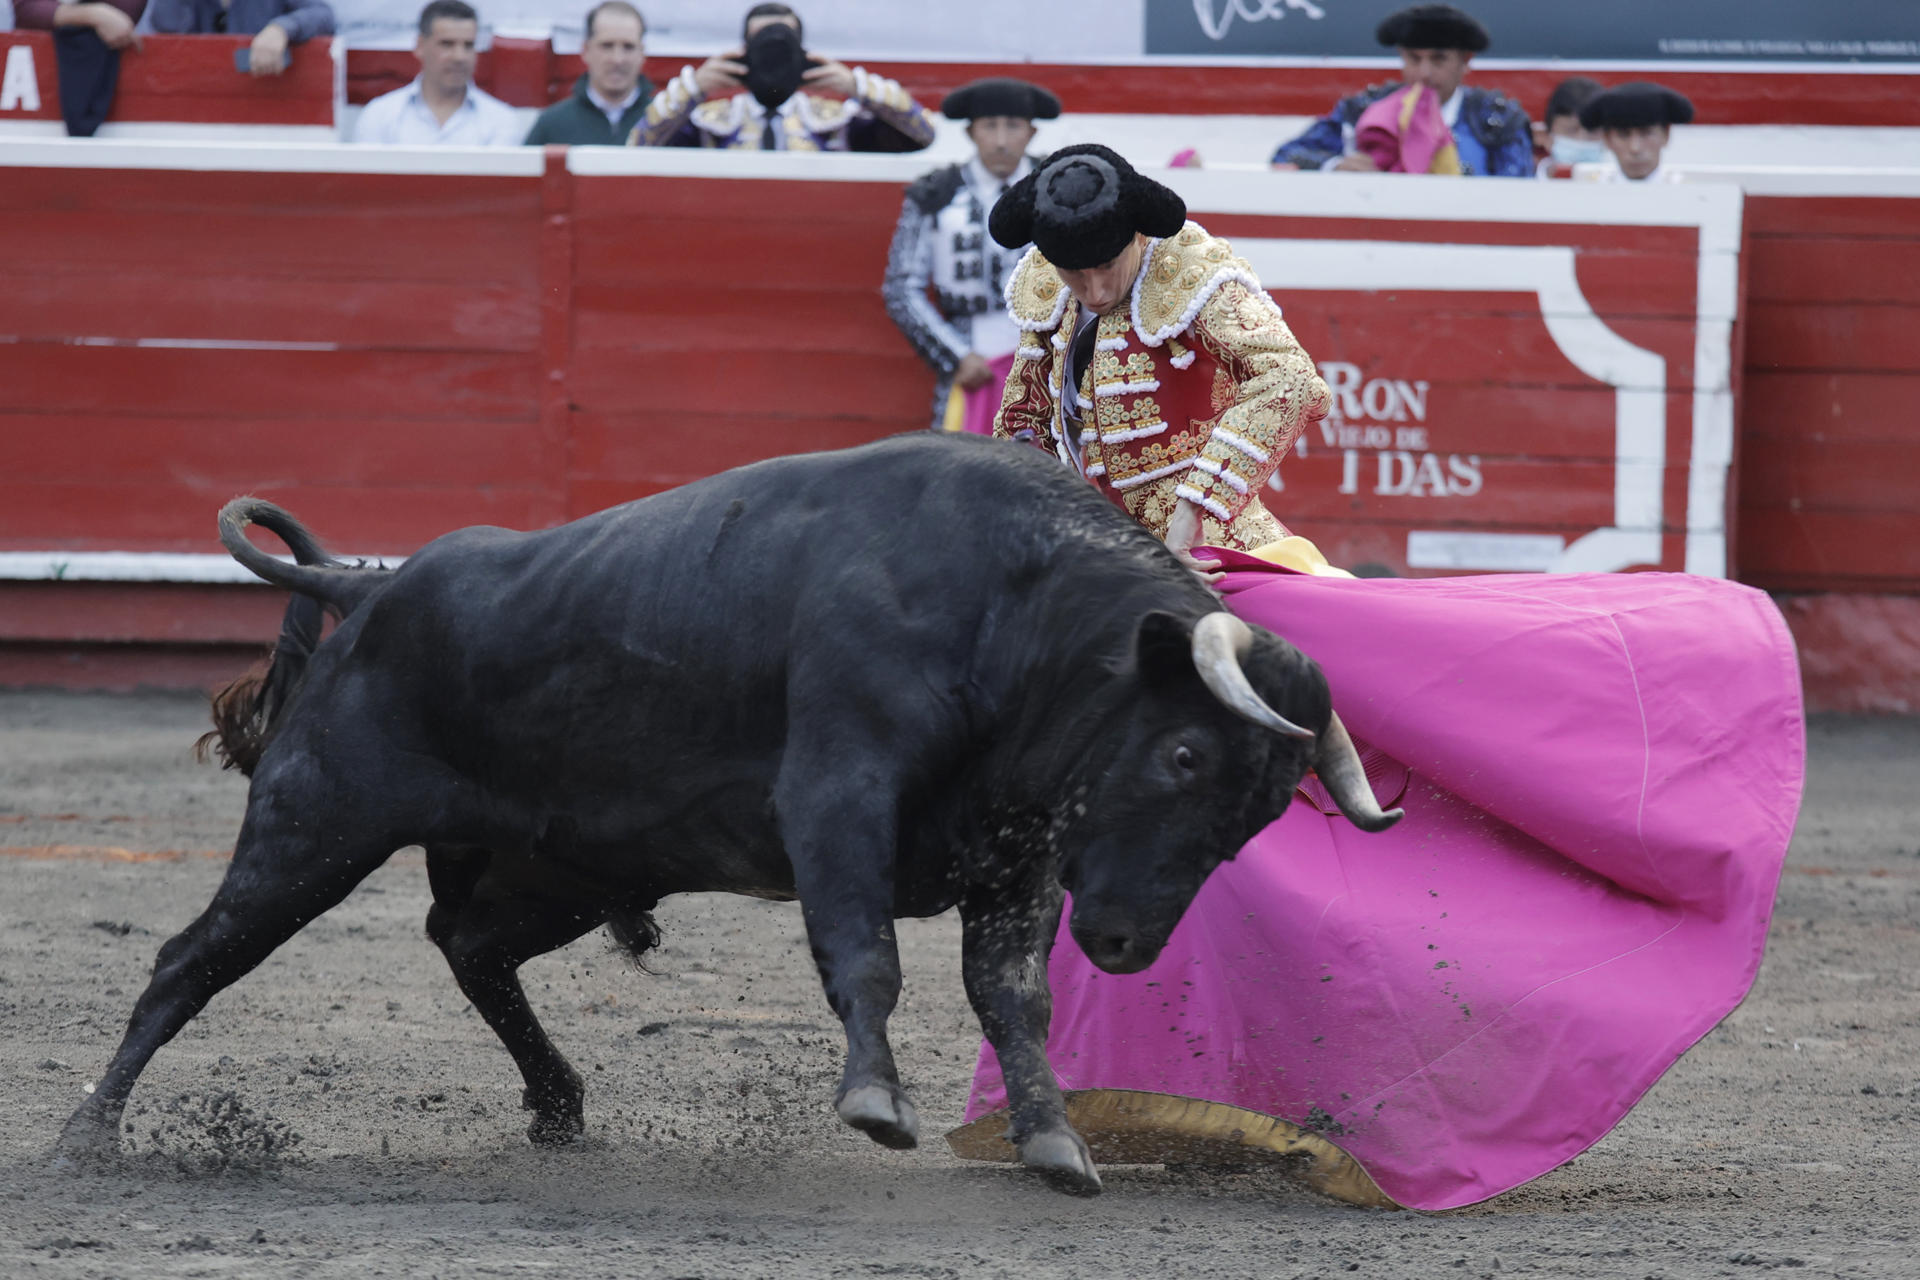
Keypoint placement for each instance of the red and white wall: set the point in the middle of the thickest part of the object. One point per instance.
(398, 342)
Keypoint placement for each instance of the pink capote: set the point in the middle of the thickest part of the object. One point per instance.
(1405, 132)
(981, 403)
(1601, 775)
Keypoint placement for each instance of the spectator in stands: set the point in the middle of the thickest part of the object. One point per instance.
(1491, 136)
(443, 104)
(111, 20)
(941, 243)
(609, 101)
(749, 99)
(88, 39)
(1564, 139)
(273, 24)
(1635, 120)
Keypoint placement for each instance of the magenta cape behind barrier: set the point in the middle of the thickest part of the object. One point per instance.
(1600, 774)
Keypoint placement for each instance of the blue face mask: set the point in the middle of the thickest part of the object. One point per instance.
(1572, 151)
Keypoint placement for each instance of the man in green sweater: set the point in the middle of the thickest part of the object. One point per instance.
(612, 97)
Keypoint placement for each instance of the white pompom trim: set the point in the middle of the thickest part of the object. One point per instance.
(1096, 470)
(1158, 473)
(1132, 433)
(1110, 344)
(1126, 388)
(1182, 361)
(1032, 353)
(1199, 499)
(1213, 468)
(1247, 447)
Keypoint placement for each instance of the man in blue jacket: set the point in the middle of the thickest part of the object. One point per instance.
(1436, 43)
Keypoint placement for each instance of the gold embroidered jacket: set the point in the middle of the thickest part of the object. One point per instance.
(1196, 390)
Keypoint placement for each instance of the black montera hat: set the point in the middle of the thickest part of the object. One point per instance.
(1082, 206)
(1000, 96)
(1634, 106)
(1433, 26)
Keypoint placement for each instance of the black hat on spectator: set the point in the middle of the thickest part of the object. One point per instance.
(1433, 26)
(1000, 96)
(1635, 106)
(1083, 206)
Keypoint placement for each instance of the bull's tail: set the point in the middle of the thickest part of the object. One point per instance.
(339, 588)
(636, 934)
(245, 710)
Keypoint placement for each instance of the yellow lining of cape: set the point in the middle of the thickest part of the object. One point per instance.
(1129, 1126)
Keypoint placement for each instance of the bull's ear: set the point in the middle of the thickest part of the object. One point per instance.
(1163, 647)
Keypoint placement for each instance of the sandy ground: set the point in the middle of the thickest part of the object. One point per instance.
(343, 1112)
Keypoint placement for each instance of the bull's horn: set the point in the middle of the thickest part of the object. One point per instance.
(1220, 640)
(1338, 765)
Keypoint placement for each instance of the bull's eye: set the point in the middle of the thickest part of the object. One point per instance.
(1183, 757)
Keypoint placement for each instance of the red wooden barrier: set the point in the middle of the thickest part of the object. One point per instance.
(1827, 498)
(393, 354)
(184, 78)
(507, 340)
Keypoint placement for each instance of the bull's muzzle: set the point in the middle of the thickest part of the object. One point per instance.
(1113, 946)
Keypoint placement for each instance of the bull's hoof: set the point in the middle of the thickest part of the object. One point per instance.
(86, 1142)
(882, 1114)
(1062, 1158)
(556, 1122)
(555, 1130)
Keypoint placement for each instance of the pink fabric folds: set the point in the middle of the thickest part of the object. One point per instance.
(1601, 776)
(984, 401)
(1404, 132)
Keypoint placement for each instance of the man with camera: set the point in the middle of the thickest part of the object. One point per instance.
(751, 99)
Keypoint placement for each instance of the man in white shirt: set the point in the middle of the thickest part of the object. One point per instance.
(443, 106)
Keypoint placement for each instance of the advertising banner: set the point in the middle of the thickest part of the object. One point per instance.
(1621, 30)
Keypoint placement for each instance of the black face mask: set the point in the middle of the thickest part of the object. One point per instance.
(775, 64)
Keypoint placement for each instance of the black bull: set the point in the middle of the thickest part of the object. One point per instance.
(918, 674)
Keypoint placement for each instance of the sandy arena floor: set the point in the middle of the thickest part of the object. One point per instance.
(343, 1113)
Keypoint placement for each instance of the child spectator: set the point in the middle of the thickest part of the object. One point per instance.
(443, 104)
(273, 24)
(1561, 136)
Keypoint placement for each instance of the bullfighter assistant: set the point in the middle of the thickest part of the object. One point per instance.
(945, 277)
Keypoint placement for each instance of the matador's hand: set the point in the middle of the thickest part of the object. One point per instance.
(1182, 532)
(972, 372)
